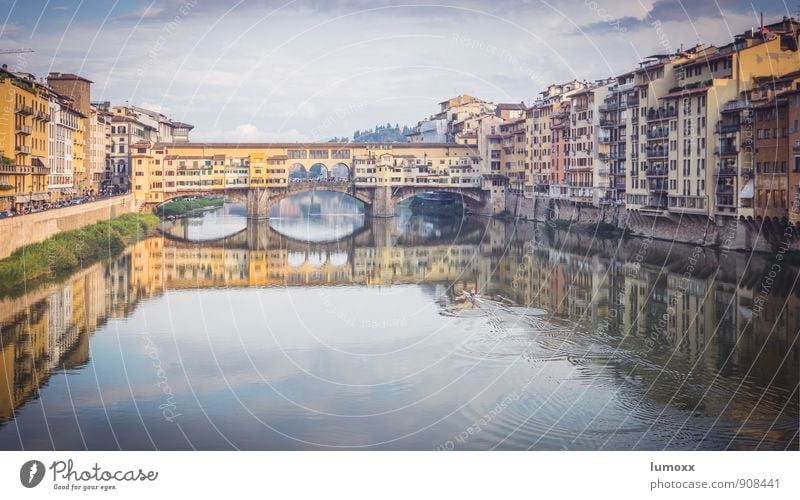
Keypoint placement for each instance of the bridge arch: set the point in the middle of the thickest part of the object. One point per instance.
(340, 171)
(467, 197)
(298, 171)
(318, 171)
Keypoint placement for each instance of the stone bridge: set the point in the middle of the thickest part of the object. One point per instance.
(379, 201)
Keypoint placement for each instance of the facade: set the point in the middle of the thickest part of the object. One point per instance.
(24, 141)
(63, 137)
(547, 178)
(456, 122)
(99, 151)
(162, 170)
(78, 90)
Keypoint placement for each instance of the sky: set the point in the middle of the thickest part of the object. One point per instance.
(263, 70)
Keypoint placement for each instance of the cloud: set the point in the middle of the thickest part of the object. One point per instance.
(247, 132)
(663, 11)
(144, 14)
(10, 29)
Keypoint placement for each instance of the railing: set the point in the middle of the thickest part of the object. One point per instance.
(41, 116)
(604, 140)
(658, 187)
(632, 102)
(727, 128)
(739, 104)
(661, 113)
(796, 146)
(607, 123)
(24, 110)
(725, 201)
(656, 172)
(619, 184)
(726, 172)
(603, 156)
(723, 189)
(657, 153)
(24, 130)
(23, 150)
(727, 150)
(658, 134)
(609, 106)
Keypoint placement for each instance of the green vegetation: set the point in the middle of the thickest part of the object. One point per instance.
(63, 253)
(183, 207)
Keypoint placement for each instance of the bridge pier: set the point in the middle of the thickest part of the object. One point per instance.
(258, 203)
(382, 204)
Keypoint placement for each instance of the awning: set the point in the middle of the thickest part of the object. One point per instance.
(747, 190)
(69, 191)
(40, 196)
(22, 198)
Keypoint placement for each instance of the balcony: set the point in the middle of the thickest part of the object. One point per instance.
(604, 140)
(796, 146)
(608, 106)
(727, 128)
(661, 113)
(725, 201)
(738, 105)
(655, 172)
(726, 150)
(24, 110)
(41, 116)
(607, 123)
(632, 102)
(24, 130)
(726, 172)
(619, 184)
(23, 150)
(658, 187)
(661, 133)
(657, 153)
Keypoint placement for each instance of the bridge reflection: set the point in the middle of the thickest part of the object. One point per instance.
(716, 319)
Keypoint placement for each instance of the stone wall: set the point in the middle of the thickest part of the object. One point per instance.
(32, 228)
(726, 233)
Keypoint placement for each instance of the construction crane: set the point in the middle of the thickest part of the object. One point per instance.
(15, 51)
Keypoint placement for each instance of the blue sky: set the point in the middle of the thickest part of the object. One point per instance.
(309, 70)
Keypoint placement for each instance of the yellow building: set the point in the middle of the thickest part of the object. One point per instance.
(161, 171)
(23, 141)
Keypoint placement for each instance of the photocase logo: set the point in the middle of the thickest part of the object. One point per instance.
(31, 473)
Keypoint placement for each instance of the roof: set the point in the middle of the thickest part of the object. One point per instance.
(182, 125)
(685, 92)
(513, 106)
(67, 76)
(310, 145)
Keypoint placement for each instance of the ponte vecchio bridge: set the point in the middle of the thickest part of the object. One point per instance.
(261, 175)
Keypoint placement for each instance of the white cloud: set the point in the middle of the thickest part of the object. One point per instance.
(247, 132)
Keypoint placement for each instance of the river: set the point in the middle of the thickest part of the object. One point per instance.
(320, 329)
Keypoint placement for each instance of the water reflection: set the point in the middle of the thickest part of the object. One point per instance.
(267, 342)
(317, 216)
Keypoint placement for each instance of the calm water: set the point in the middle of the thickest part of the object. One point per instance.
(328, 331)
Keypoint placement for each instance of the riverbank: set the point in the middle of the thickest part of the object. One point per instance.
(34, 228)
(33, 264)
(183, 208)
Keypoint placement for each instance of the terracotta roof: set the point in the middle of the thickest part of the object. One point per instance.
(67, 76)
(685, 92)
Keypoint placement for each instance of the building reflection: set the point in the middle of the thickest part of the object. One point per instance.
(687, 311)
